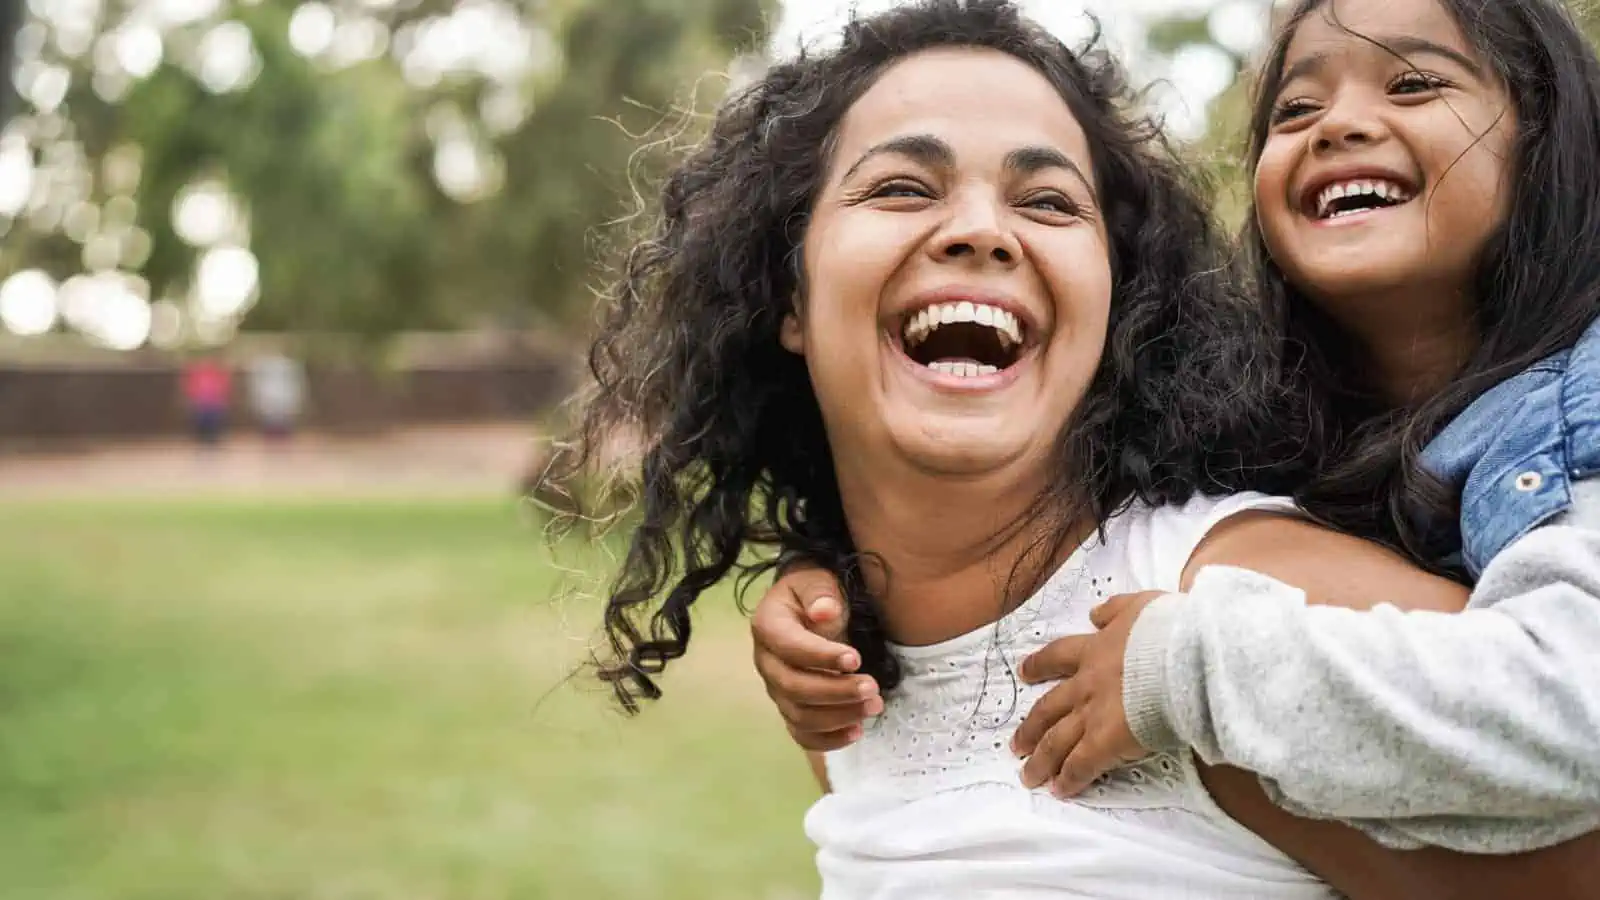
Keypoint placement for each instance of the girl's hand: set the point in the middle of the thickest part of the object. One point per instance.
(798, 629)
(1079, 730)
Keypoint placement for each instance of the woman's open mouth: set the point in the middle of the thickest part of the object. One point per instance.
(964, 339)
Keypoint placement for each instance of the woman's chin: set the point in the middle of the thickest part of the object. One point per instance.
(964, 447)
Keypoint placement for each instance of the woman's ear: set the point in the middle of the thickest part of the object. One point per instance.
(792, 331)
(792, 334)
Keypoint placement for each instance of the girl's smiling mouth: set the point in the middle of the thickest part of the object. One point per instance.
(1355, 193)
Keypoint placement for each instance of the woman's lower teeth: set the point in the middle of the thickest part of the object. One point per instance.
(962, 369)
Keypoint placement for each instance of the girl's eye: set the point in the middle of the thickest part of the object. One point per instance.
(1050, 201)
(1290, 110)
(1417, 83)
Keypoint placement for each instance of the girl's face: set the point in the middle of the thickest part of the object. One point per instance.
(1386, 165)
(957, 277)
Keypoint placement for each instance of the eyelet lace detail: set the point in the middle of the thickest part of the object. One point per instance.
(949, 723)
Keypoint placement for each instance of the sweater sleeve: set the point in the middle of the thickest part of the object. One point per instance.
(1477, 731)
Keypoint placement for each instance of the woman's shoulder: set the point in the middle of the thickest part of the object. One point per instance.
(1157, 540)
(1200, 512)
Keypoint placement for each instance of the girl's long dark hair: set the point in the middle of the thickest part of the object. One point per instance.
(735, 457)
(1537, 285)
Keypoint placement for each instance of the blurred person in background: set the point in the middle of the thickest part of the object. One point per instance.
(277, 394)
(208, 389)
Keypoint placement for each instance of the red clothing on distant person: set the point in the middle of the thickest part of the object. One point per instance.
(206, 385)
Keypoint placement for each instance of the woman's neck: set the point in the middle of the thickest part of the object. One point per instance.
(950, 556)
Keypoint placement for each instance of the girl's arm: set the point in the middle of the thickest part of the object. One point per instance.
(1339, 571)
(1477, 732)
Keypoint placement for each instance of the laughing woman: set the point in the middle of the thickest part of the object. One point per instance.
(935, 310)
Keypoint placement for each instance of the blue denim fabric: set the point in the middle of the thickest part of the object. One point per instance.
(1517, 451)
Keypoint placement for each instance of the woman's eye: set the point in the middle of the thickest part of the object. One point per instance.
(1052, 202)
(900, 189)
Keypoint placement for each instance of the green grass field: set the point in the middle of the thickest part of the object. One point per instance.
(233, 700)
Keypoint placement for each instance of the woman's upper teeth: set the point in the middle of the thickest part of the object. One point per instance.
(1385, 190)
(928, 320)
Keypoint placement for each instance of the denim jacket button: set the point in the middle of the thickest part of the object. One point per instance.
(1529, 482)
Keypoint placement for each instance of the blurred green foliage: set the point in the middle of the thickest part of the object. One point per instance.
(335, 164)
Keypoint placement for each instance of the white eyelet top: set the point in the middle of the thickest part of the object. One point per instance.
(929, 803)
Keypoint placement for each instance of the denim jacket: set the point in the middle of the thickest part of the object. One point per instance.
(1516, 452)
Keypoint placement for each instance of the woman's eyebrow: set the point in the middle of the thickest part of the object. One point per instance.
(935, 152)
(1028, 160)
(923, 148)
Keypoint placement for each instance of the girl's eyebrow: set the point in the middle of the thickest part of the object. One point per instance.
(1401, 46)
(1407, 45)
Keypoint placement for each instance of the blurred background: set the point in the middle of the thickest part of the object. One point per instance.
(290, 293)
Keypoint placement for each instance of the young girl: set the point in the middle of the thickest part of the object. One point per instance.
(1427, 225)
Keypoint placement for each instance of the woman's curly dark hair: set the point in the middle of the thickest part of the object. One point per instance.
(735, 458)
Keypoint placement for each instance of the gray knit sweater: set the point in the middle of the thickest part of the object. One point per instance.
(1478, 731)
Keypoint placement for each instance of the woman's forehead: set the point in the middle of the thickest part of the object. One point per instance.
(979, 102)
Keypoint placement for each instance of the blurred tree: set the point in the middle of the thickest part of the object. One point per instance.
(386, 173)
(10, 21)
(1170, 34)
(639, 71)
(1220, 149)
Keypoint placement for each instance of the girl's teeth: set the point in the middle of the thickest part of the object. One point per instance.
(1385, 190)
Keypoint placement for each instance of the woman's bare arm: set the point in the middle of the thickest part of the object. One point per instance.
(1362, 869)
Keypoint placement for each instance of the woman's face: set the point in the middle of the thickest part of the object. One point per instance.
(957, 279)
(1386, 163)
